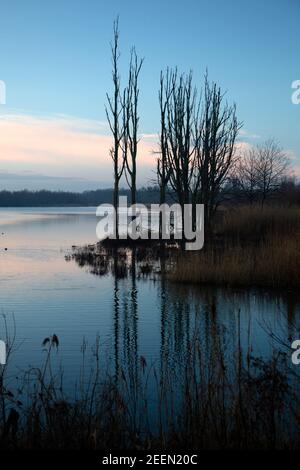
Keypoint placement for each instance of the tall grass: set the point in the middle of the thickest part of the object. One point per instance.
(254, 246)
(254, 223)
(214, 400)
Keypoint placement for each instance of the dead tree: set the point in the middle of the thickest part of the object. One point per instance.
(271, 168)
(260, 171)
(245, 176)
(215, 144)
(197, 142)
(131, 123)
(114, 117)
(179, 140)
(163, 172)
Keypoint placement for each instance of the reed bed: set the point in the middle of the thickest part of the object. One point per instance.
(253, 223)
(212, 400)
(253, 246)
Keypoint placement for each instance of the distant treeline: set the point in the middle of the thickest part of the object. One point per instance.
(26, 198)
(288, 192)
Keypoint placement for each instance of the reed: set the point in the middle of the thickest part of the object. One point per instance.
(214, 400)
(253, 247)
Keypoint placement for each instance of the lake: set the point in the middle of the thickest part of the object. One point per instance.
(134, 317)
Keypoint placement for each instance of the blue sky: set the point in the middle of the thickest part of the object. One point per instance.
(55, 61)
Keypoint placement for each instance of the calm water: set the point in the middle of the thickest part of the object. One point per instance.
(134, 317)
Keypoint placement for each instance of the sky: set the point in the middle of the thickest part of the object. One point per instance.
(55, 62)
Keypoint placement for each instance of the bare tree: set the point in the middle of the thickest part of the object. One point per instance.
(197, 141)
(131, 123)
(245, 175)
(178, 137)
(271, 167)
(216, 147)
(260, 171)
(163, 173)
(114, 117)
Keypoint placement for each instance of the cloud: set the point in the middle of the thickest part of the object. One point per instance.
(64, 146)
(294, 161)
(241, 147)
(35, 181)
(248, 135)
(67, 152)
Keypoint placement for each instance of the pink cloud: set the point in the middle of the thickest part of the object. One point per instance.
(62, 146)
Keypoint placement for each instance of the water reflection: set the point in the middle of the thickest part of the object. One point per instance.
(228, 323)
(141, 317)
